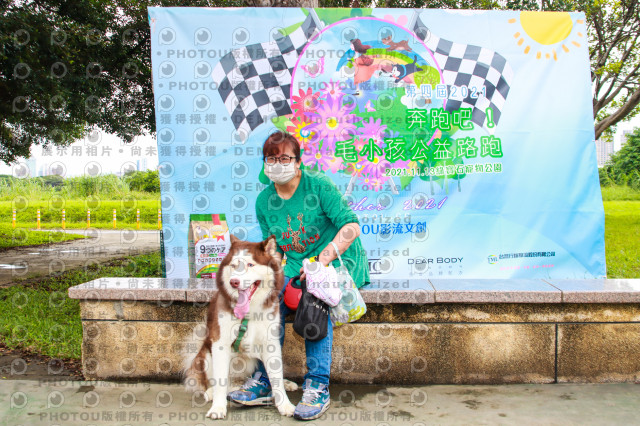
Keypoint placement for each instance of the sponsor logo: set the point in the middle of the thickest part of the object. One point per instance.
(434, 260)
(493, 258)
(375, 266)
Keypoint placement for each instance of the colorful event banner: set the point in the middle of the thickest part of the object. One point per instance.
(463, 140)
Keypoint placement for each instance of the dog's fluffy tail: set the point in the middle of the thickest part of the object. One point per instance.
(196, 364)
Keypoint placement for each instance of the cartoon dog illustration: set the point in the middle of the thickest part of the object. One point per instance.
(402, 45)
(402, 72)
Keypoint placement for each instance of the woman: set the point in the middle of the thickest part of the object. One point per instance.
(305, 212)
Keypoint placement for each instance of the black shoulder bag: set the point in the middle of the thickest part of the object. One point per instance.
(312, 315)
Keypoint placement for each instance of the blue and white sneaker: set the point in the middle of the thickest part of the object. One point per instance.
(315, 400)
(255, 391)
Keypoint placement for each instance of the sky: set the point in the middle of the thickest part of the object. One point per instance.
(627, 125)
(100, 153)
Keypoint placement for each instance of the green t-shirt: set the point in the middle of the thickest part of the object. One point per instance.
(307, 222)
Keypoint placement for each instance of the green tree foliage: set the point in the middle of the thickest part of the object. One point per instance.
(624, 166)
(148, 181)
(52, 181)
(66, 66)
(614, 49)
(69, 66)
(107, 186)
(439, 4)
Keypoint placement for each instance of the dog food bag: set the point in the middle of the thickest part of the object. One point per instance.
(208, 244)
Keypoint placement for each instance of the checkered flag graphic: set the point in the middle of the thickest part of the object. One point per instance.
(471, 66)
(254, 81)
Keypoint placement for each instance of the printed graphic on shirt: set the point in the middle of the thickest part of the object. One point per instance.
(298, 241)
(296, 234)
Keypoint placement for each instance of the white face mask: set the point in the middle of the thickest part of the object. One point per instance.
(280, 174)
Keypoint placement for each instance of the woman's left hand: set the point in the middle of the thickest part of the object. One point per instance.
(302, 274)
(324, 259)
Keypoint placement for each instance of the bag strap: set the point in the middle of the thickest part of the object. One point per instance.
(335, 246)
(293, 280)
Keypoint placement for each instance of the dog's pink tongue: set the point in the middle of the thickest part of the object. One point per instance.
(242, 307)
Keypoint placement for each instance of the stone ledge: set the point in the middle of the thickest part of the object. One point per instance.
(495, 291)
(598, 291)
(425, 291)
(134, 289)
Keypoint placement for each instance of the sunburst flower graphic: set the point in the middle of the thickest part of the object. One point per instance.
(333, 88)
(334, 164)
(299, 129)
(372, 129)
(314, 157)
(304, 103)
(332, 122)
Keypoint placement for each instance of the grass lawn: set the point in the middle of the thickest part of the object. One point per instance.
(38, 315)
(619, 193)
(622, 238)
(18, 237)
(83, 225)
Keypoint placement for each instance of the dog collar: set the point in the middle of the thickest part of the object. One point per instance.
(243, 330)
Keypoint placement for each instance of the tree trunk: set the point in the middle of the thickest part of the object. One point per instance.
(620, 114)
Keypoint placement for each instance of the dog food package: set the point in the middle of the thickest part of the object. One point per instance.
(208, 244)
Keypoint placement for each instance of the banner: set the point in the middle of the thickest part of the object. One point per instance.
(462, 139)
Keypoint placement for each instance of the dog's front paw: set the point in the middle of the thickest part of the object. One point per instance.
(290, 386)
(217, 412)
(286, 409)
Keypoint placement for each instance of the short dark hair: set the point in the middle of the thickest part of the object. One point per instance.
(277, 143)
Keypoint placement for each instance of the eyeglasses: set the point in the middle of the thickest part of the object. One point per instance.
(284, 160)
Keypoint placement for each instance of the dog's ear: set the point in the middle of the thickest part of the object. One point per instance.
(270, 245)
(233, 238)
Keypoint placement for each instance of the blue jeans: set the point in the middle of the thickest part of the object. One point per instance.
(318, 352)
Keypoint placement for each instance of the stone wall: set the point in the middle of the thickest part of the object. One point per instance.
(470, 343)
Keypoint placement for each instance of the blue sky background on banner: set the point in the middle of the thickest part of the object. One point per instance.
(546, 199)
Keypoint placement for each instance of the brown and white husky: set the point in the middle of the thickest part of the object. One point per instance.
(249, 280)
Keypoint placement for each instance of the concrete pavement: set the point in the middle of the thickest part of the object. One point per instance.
(101, 246)
(25, 402)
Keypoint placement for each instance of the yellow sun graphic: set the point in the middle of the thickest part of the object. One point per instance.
(549, 29)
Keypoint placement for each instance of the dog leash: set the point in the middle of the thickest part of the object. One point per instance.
(243, 330)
